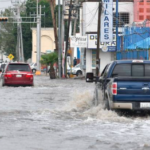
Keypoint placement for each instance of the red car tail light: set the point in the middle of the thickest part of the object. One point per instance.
(29, 76)
(114, 88)
(8, 75)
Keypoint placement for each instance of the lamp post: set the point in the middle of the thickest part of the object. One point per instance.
(59, 40)
(38, 33)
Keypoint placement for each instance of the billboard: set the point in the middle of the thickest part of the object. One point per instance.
(106, 34)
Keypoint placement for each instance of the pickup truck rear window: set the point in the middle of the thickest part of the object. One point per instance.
(137, 70)
(19, 67)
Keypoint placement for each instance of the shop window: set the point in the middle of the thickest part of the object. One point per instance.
(141, 17)
(141, 10)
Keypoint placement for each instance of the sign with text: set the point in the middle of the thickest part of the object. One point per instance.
(106, 34)
(78, 41)
(105, 46)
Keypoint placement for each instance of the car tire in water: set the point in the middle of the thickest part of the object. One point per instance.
(79, 73)
(33, 70)
(3, 84)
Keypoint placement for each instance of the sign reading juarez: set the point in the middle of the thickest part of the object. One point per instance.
(10, 56)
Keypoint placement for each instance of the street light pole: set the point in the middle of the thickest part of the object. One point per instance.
(59, 40)
(38, 34)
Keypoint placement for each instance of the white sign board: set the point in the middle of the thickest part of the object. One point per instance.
(105, 46)
(107, 21)
(78, 41)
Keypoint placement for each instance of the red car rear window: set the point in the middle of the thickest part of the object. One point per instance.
(19, 67)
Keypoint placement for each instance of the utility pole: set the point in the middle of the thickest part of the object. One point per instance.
(117, 21)
(19, 48)
(38, 43)
(98, 39)
(59, 40)
(75, 20)
(62, 42)
(52, 6)
(67, 36)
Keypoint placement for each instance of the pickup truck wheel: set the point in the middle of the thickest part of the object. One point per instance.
(106, 104)
(95, 98)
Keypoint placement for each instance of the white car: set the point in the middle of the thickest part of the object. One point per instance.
(76, 70)
(33, 67)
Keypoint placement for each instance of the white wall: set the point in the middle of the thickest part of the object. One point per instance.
(90, 14)
(105, 58)
(90, 11)
(88, 60)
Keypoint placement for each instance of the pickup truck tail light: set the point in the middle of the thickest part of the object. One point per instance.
(114, 88)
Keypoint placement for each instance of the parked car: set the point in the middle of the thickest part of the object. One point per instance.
(125, 85)
(76, 70)
(17, 74)
(33, 67)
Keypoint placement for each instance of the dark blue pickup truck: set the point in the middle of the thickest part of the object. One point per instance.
(124, 84)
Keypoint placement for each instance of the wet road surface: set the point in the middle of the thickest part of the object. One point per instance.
(59, 115)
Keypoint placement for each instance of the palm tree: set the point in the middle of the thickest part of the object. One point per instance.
(50, 59)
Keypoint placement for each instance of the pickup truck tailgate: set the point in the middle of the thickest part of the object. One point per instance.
(133, 89)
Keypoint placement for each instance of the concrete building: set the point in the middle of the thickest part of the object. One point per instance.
(141, 10)
(47, 42)
(4, 58)
(88, 26)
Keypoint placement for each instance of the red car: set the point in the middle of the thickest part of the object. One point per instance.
(17, 74)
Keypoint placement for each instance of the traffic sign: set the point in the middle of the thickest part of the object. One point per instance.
(10, 56)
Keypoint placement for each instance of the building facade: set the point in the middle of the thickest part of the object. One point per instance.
(47, 41)
(141, 10)
(88, 26)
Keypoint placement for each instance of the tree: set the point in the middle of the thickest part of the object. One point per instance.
(8, 39)
(52, 6)
(8, 32)
(50, 59)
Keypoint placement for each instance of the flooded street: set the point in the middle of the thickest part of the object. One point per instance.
(59, 115)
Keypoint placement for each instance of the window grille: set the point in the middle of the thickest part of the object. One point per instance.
(122, 19)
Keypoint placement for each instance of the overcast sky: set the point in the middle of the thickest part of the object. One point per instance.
(7, 3)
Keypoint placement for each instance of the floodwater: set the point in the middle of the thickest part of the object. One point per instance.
(59, 115)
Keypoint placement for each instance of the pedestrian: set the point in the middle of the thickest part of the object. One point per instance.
(74, 61)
